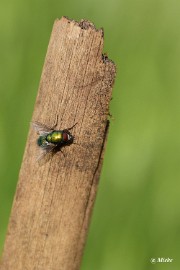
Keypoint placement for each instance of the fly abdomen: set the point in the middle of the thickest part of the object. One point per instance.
(41, 141)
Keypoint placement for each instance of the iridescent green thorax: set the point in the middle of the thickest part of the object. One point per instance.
(55, 137)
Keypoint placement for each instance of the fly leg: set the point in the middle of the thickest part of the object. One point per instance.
(55, 124)
(67, 129)
(62, 153)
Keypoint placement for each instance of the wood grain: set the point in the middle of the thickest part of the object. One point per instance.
(53, 203)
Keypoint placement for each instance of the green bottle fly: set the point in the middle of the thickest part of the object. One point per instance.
(52, 140)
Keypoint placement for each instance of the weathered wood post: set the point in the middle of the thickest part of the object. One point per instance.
(53, 202)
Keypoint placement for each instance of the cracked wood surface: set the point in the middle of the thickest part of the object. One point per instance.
(53, 202)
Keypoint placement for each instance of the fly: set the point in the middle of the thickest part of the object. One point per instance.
(51, 140)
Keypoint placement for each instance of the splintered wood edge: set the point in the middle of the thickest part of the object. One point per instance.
(86, 24)
(83, 24)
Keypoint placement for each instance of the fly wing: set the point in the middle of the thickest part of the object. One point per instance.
(46, 154)
(41, 129)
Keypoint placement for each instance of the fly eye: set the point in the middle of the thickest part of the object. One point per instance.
(65, 137)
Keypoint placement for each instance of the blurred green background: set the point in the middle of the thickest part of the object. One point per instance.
(136, 215)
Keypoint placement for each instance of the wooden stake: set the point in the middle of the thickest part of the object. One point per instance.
(53, 202)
